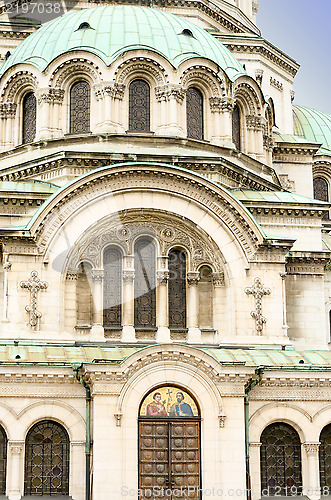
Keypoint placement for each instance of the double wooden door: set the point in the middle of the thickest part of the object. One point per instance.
(169, 459)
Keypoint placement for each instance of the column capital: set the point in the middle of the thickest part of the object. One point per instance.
(218, 279)
(162, 277)
(168, 91)
(193, 278)
(97, 274)
(128, 275)
(16, 447)
(311, 448)
(7, 109)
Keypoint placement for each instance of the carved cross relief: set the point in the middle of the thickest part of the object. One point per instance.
(34, 285)
(258, 291)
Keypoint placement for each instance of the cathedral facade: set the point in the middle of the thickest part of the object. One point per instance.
(165, 281)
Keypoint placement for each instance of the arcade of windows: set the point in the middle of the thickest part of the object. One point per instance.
(145, 282)
(139, 112)
(47, 447)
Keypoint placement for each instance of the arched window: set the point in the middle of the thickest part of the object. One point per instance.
(144, 284)
(325, 459)
(280, 460)
(29, 113)
(205, 288)
(139, 106)
(112, 288)
(194, 113)
(84, 295)
(321, 189)
(177, 289)
(3, 460)
(47, 460)
(80, 102)
(236, 127)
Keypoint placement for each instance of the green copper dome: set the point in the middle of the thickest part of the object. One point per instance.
(115, 29)
(314, 126)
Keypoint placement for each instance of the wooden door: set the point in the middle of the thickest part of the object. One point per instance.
(169, 459)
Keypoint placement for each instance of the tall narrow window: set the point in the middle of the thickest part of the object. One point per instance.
(3, 460)
(29, 117)
(205, 288)
(47, 460)
(84, 295)
(80, 102)
(194, 113)
(325, 460)
(112, 288)
(280, 461)
(139, 106)
(321, 189)
(144, 284)
(177, 289)
(236, 127)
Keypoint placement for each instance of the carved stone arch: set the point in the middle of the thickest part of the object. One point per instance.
(205, 79)
(72, 70)
(147, 233)
(280, 412)
(114, 245)
(141, 67)
(166, 229)
(245, 94)
(19, 84)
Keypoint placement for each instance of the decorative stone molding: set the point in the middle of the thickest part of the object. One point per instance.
(72, 276)
(167, 92)
(255, 445)
(118, 417)
(307, 263)
(97, 274)
(16, 83)
(258, 291)
(7, 109)
(286, 182)
(311, 448)
(275, 83)
(74, 67)
(16, 447)
(6, 264)
(205, 76)
(221, 420)
(192, 278)
(141, 64)
(112, 89)
(244, 91)
(259, 76)
(50, 95)
(254, 122)
(128, 275)
(292, 95)
(221, 104)
(218, 279)
(34, 285)
(162, 277)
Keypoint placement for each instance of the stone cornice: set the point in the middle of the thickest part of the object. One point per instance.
(295, 149)
(307, 263)
(271, 210)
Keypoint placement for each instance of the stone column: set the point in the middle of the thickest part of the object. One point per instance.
(71, 306)
(194, 334)
(226, 108)
(254, 126)
(77, 472)
(7, 116)
(285, 325)
(128, 333)
(254, 465)
(219, 301)
(15, 469)
(171, 98)
(162, 321)
(97, 332)
(311, 482)
(6, 269)
(43, 115)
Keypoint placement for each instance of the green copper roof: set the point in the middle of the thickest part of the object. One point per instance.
(314, 126)
(115, 29)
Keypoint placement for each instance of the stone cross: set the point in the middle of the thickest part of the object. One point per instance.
(34, 285)
(258, 291)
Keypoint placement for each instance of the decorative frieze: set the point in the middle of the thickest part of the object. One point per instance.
(167, 92)
(34, 285)
(258, 291)
(275, 83)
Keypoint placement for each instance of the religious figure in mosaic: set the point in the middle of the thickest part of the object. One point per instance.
(156, 408)
(181, 409)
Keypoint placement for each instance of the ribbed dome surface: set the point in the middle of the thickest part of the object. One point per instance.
(115, 29)
(314, 126)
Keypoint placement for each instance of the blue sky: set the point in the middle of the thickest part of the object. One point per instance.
(302, 29)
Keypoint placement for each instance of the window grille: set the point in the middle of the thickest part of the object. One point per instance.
(177, 289)
(3, 461)
(194, 113)
(325, 461)
(236, 125)
(112, 288)
(80, 102)
(139, 106)
(144, 284)
(321, 189)
(47, 460)
(29, 118)
(280, 461)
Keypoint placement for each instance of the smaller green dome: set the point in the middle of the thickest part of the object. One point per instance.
(109, 31)
(314, 126)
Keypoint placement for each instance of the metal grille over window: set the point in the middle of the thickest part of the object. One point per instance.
(144, 285)
(194, 113)
(112, 288)
(280, 461)
(80, 102)
(321, 189)
(177, 289)
(29, 117)
(236, 128)
(47, 460)
(325, 461)
(139, 106)
(3, 461)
